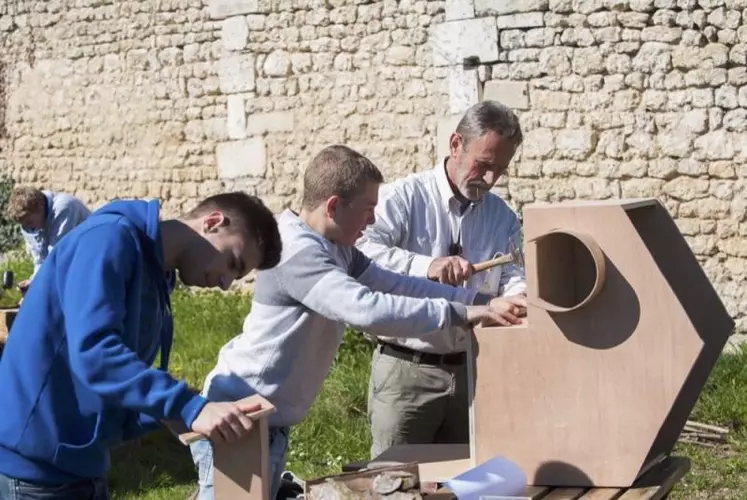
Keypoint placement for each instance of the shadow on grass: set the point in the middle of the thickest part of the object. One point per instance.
(158, 460)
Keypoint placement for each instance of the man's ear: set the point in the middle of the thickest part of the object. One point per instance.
(455, 144)
(212, 221)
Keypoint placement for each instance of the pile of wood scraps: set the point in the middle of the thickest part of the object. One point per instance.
(709, 436)
(398, 482)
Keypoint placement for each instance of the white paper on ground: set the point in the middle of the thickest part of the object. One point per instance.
(495, 477)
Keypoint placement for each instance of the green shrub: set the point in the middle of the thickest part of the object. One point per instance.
(10, 233)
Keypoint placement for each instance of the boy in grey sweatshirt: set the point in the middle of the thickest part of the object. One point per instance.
(300, 307)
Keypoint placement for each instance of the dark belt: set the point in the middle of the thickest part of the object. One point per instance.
(427, 358)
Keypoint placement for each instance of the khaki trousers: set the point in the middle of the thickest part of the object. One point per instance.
(411, 403)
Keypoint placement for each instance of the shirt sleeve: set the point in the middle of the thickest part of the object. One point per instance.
(313, 278)
(381, 240)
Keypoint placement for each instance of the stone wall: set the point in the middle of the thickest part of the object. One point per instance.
(183, 98)
(179, 99)
(623, 98)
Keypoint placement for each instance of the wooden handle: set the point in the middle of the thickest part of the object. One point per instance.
(191, 437)
(489, 264)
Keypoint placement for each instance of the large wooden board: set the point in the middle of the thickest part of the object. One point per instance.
(591, 396)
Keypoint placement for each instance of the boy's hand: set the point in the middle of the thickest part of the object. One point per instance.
(450, 270)
(23, 286)
(224, 422)
(509, 305)
(501, 310)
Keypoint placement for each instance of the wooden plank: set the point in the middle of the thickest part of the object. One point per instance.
(7, 315)
(602, 494)
(564, 494)
(625, 203)
(191, 437)
(536, 492)
(659, 481)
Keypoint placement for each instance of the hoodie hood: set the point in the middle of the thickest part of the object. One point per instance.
(144, 215)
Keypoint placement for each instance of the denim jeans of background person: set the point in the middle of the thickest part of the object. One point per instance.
(202, 454)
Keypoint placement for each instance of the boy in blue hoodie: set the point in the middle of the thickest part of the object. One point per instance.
(77, 368)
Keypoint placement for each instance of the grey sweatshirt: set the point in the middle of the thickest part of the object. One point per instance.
(298, 317)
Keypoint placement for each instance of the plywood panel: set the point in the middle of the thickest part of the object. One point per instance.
(241, 469)
(589, 396)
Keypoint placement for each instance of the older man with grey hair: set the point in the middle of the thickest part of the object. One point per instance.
(435, 224)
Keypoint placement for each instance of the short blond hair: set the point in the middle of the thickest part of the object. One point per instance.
(337, 170)
(24, 200)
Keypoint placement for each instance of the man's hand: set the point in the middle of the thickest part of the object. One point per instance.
(23, 286)
(224, 422)
(501, 310)
(450, 270)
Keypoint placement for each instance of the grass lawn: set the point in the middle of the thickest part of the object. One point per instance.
(159, 467)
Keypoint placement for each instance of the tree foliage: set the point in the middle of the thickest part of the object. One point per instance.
(10, 234)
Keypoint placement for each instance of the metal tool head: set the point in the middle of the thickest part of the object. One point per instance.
(516, 253)
(7, 280)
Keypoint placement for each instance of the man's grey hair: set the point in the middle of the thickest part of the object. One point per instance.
(485, 116)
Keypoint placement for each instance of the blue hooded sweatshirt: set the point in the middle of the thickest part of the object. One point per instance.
(76, 372)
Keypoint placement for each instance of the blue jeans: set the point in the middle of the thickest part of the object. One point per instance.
(202, 454)
(87, 489)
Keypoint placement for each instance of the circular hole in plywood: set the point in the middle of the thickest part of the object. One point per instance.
(570, 270)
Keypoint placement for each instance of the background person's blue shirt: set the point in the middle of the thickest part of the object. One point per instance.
(76, 370)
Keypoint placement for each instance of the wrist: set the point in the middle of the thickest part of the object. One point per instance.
(483, 299)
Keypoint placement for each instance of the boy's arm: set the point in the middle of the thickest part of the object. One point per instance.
(36, 255)
(381, 240)
(94, 301)
(314, 279)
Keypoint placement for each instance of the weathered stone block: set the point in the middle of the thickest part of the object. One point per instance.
(274, 121)
(220, 9)
(444, 129)
(465, 89)
(236, 73)
(241, 158)
(235, 117)
(460, 9)
(488, 7)
(453, 41)
(515, 95)
(235, 33)
(576, 144)
(523, 20)
(277, 63)
(538, 143)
